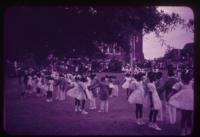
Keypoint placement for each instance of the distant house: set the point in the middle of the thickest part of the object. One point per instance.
(115, 51)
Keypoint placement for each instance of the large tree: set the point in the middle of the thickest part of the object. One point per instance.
(39, 29)
(116, 24)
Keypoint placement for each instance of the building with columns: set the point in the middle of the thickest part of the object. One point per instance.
(115, 51)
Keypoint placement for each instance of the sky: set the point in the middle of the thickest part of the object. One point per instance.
(176, 38)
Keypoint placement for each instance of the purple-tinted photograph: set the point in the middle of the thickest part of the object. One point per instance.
(98, 70)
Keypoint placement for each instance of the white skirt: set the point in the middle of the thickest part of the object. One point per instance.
(125, 85)
(81, 96)
(156, 101)
(136, 97)
(184, 99)
(74, 92)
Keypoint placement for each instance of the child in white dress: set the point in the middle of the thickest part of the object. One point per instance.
(155, 102)
(115, 88)
(184, 100)
(22, 84)
(44, 86)
(126, 83)
(50, 86)
(78, 93)
(39, 85)
(74, 92)
(34, 83)
(30, 83)
(93, 88)
(83, 94)
(137, 98)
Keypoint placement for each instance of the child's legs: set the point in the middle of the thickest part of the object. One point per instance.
(172, 114)
(189, 118)
(77, 102)
(44, 92)
(102, 105)
(106, 105)
(183, 118)
(51, 95)
(169, 110)
(155, 116)
(151, 116)
(161, 114)
(116, 92)
(127, 92)
(173, 109)
(94, 102)
(90, 102)
(29, 88)
(137, 111)
(140, 110)
(62, 95)
(83, 104)
(22, 91)
(38, 90)
(57, 93)
(48, 94)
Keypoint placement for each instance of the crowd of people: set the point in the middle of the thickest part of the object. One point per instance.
(81, 83)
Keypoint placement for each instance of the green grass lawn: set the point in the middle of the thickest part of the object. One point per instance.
(33, 116)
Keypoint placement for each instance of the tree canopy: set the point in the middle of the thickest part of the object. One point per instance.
(39, 29)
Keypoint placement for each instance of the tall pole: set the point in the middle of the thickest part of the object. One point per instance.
(131, 53)
(134, 48)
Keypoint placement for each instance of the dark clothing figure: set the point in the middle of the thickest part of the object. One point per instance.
(167, 88)
(104, 91)
(94, 87)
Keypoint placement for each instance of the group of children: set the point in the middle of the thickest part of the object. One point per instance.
(170, 94)
(82, 87)
(164, 96)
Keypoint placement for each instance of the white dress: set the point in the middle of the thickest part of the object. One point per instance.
(50, 88)
(44, 88)
(126, 84)
(30, 82)
(73, 92)
(132, 84)
(86, 85)
(137, 96)
(156, 100)
(183, 99)
(115, 89)
(83, 91)
(39, 83)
